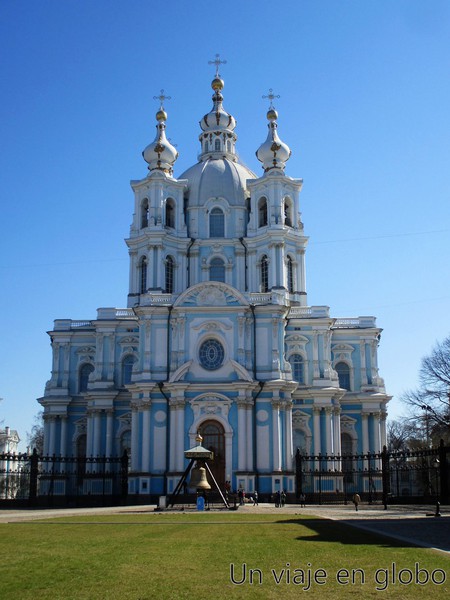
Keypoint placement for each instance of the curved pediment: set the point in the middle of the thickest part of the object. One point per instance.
(211, 293)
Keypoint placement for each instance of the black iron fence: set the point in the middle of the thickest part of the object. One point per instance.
(420, 476)
(33, 480)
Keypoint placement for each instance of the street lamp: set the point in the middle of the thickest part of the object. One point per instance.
(436, 465)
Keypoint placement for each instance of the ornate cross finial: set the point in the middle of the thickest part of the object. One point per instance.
(161, 99)
(217, 62)
(271, 96)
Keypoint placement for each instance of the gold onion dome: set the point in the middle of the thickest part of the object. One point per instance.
(218, 119)
(160, 154)
(273, 153)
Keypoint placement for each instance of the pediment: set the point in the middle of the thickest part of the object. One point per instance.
(211, 293)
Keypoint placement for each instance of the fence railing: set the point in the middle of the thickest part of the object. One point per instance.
(388, 477)
(44, 480)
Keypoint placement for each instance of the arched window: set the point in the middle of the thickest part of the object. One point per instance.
(228, 146)
(287, 213)
(298, 367)
(83, 375)
(264, 274)
(127, 369)
(262, 212)
(143, 275)
(144, 213)
(217, 270)
(216, 223)
(170, 213)
(290, 275)
(206, 146)
(343, 371)
(169, 275)
(217, 145)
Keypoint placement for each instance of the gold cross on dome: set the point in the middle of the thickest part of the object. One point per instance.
(271, 96)
(161, 99)
(217, 62)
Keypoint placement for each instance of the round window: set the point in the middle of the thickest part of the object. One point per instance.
(211, 355)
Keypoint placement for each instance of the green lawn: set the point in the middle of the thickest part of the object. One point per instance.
(196, 556)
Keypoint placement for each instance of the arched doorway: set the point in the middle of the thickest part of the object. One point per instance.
(213, 435)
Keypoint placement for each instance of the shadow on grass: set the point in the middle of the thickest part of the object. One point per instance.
(326, 530)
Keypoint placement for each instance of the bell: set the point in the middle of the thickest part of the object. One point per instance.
(198, 479)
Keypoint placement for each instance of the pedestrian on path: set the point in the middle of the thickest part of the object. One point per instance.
(356, 501)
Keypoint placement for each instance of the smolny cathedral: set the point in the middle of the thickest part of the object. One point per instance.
(218, 336)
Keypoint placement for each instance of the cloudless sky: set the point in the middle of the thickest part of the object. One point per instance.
(364, 106)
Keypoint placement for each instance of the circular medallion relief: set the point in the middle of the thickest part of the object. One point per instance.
(160, 416)
(211, 355)
(262, 415)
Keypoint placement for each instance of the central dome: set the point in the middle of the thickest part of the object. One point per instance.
(217, 177)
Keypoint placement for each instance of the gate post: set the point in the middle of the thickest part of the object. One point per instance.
(385, 475)
(443, 473)
(298, 474)
(124, 476)
(34, 468)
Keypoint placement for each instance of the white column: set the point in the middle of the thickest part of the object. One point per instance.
(272, 266)
(376, 432)
(362, 346)
(276, 435)
(63, 439)
(365, 432)
(242, 431)
(52, 443)
(173, 436)
(145, 449)
(383, 429)
(288, 436)
(179, 461)
(316, 430)
(249, 436)
(337, 431)
(316, 373)
(134, 438)
(89, 434)
(97, 432)
(328, 431)
(109, 433)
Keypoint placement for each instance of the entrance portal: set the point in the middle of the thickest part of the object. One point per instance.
(213, 435)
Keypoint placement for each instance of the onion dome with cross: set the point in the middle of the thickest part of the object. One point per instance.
(273, 153)
(218, 126)
(160, 154)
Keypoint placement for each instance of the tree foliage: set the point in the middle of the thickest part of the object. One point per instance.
(433, 393)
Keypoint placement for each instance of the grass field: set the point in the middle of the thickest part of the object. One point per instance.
(210, 555)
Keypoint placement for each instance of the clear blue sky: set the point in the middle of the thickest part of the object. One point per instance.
(365, 108)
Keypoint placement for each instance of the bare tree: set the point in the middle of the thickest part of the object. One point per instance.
(432, 397)
(405, 433)
(36, 436)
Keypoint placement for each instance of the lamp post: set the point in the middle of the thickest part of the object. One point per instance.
(436, 465)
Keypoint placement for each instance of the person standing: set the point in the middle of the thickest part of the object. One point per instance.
(255, 498)
(356, 501)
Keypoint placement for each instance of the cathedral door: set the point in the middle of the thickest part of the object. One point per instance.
(213, 435)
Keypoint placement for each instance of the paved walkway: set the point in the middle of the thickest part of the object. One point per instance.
(413, 525)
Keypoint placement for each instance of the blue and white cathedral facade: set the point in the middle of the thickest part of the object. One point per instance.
(218, 336)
